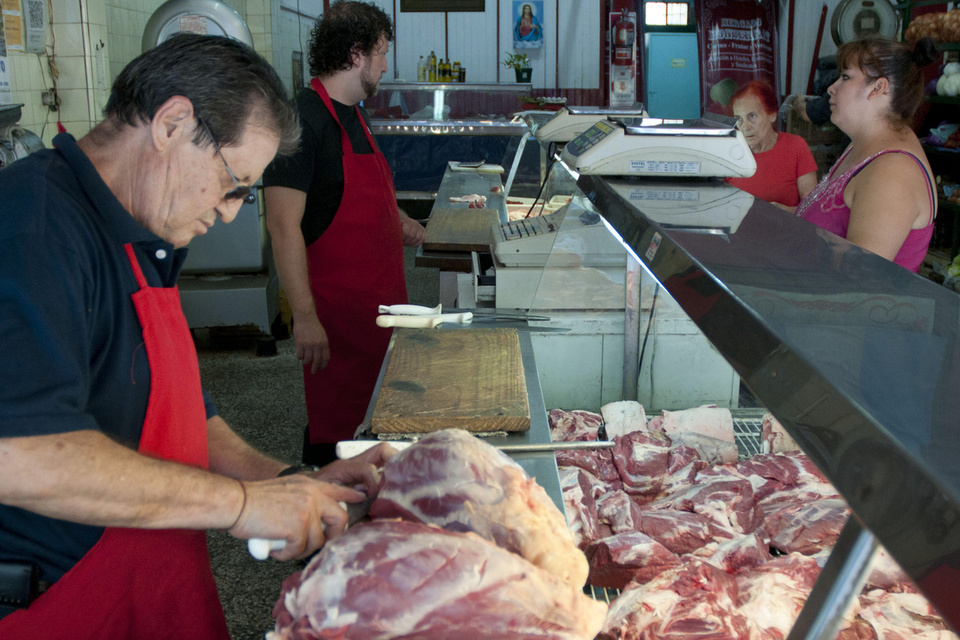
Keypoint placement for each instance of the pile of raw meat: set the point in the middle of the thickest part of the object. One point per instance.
(703, 546)
(462, 545)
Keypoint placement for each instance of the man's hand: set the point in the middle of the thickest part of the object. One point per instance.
(361, 470)
(313, 346)
(413, 231)
(299, 509)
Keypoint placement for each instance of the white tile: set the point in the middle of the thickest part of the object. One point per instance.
(69, 42)
(66, 11)
(73, 72)
(74, 105)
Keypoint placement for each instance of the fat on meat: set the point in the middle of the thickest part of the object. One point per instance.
(617, 560)
(392, 579)
(641, 460)
(774, 438)
(730, 503)
(740, 553)
(573, 426)
(576, 486)
(683, 465)
(903, 616)
(621, 418)
(711, 450)
(617, 510)
(807, 528)
(459, 482)
(771, 595)
(598, 462)
(694, 601)
(681, 531)
(710, 420)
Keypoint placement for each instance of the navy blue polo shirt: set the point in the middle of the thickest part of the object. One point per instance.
(72, 348)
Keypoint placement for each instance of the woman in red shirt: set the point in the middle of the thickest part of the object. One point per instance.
(786, 170)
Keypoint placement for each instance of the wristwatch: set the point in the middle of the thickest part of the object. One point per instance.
(298, 468)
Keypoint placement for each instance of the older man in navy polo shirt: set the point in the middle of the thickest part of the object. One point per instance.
(112, 463)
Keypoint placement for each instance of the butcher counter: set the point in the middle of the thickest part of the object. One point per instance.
(858, 358)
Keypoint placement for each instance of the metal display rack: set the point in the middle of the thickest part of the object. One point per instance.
(858, 358)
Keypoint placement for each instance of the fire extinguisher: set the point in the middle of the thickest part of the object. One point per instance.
(623, 37)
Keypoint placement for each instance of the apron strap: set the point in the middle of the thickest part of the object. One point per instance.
(135, 265)
(325, 97)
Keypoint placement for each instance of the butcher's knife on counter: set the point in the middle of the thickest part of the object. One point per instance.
(350, 448)
(412, 316)
(260, 548)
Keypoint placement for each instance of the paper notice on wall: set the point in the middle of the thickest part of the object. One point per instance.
(12, 24)
(6, 90)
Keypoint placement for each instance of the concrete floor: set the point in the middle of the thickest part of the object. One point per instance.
(262, 399)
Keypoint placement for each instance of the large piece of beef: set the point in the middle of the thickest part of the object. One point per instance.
(617, 560)
(459, 482)
(807, 528)
(641, 460)
(771, 595)
(390, 579)
(729, 502)
(695, 601)
(572, 426)
(576, 486)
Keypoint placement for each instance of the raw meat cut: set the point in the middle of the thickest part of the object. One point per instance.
(903, 616)
(741, 553)
(681, 531)
(807, 528)
(885, 573)
(692, 602)
(641, 459)
(616, 509)
(618, 559)
(621, 418)
(712, 450)
(576, 485)
(774, 438)
(683, 465)
(573, 426)
(394, 579)
(459, 482)
(598, 462)
(772, 595)
(729, 502)
(711, 421)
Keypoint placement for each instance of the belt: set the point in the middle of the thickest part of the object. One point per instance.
(20, 585)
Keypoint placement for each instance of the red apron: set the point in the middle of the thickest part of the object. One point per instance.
(355, 266)
(141, 583)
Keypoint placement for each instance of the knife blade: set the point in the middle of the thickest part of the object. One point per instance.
(351, 448)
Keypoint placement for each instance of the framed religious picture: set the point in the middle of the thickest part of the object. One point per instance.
(527, 24)
(441, 5)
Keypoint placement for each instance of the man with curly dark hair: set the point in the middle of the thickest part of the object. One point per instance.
(336, 230)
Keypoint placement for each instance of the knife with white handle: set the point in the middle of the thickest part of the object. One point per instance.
(409, 322)
(260, 548)
(410, 309)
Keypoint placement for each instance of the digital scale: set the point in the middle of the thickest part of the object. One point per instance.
(570, 122)
(572, 236)
(715, 208)
(656, 147)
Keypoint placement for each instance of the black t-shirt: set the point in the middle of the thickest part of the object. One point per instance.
(317, 167)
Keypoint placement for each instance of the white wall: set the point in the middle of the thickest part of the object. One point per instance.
(471, 39)
(806, 21)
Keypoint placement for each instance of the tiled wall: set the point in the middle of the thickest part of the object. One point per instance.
(90, 42)
(78, 29)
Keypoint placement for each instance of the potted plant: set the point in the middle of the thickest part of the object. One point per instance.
(520, 63)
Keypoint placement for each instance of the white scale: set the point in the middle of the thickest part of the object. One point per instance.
(714, 208)
(655, 147)
(570, 122)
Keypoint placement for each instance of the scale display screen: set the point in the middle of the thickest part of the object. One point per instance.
(589, 138)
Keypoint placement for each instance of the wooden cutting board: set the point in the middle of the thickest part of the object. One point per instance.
(460, 229)
(469, 379)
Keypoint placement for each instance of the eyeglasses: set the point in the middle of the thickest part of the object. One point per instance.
(239, 191)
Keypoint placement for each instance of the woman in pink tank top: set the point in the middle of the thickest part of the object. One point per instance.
(879, 194)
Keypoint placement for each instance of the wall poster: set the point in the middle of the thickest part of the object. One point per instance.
(737, 44)
(527, 24)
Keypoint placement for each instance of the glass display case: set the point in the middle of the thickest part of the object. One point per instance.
(421, 127)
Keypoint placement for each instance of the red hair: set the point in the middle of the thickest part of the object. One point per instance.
(762, 92)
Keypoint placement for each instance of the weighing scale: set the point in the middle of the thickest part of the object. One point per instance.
(655, 147)
(570, 122)
(714, 208)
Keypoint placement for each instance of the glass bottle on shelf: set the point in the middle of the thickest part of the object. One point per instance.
(432, 67)
(455, 71)
(444, 71)
(422, 70)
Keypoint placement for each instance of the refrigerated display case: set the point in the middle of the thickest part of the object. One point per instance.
(857, 357)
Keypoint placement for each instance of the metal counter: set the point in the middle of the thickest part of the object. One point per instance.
(464, 127)
(541, 465)
(858, 358)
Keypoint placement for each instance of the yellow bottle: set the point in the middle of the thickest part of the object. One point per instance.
(432, 67)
